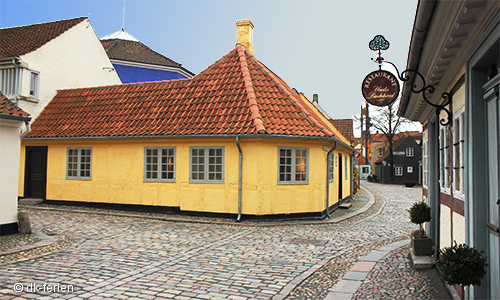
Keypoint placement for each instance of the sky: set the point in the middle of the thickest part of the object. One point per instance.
(316, 47)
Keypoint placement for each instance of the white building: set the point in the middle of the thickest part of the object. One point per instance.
(455, 46)
(12, 119)
(37, 60)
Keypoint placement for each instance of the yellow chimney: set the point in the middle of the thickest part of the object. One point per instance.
(244, 29)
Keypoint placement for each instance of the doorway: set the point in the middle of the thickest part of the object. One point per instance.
(35, 176)
(340, 177)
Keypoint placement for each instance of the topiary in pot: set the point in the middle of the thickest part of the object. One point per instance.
(420, 213)
(461, 264)
(421, 244)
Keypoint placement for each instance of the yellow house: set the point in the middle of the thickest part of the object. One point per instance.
(234, 139)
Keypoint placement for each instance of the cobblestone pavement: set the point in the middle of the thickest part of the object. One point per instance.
(121, 257)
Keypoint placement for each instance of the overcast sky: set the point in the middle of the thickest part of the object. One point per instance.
(314, 46)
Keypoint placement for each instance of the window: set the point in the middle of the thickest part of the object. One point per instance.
(458, 152)
(331, 167)
(409, 169)
(293, 165)
(79, 165)
(409, 152)
(444, 159)
(159, 164)
(8, 80)
(34, 85)
(399, 171)
(346, 170)
(206, 165)
(425, 163)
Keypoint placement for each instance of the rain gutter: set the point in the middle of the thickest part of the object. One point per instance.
(328, 180)
(194, 136)
(425, 11)
(240, 166)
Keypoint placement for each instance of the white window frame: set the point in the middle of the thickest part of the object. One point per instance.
(76, 169)
(425, 163)
(34, 84)
(444, 160)
(292, 164)
(409, 152)
(409, 169)
(398, 171)
(458, 150)
(212, 164)
(155, 168)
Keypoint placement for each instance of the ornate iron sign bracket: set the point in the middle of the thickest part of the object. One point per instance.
(380, 43)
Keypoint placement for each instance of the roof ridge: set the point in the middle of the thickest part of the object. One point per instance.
(43, 23)
(250, 92)
(279, 84)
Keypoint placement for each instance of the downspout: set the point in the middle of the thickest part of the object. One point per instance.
(28, 128)
(328, 180)
(14, 61)
(238, 219)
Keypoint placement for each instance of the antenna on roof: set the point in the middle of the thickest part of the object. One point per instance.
(123, 16)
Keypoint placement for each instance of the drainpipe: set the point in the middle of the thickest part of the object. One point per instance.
(328, 181)
(14, 61)
(28, 129)
(239, 178)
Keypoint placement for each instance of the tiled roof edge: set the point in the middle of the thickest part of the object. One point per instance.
(252, 99)
(279, 84)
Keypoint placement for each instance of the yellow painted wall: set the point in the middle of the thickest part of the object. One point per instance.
(118, 176)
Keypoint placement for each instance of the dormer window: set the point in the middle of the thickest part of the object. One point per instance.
(34, 84)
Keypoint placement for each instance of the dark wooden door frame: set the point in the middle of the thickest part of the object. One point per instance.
(27, 171)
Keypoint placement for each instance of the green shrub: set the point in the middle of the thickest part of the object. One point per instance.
(461, 264)
(420, 213)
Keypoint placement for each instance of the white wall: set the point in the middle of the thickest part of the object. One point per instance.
(10, 151)
(74, 59)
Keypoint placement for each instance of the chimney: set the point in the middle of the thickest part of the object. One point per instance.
(315, 98)
(244, 29)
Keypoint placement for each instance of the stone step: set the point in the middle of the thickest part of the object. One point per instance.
(421, 262)
(345, 205)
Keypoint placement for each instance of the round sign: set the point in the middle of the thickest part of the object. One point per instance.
(380, 88)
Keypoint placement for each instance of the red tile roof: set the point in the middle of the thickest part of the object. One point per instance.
(9, 109)
(136, 52)
(17, 41)
(235, 95)
(345, 126)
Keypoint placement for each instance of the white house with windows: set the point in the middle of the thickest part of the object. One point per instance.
(456, 48)
(37, 60)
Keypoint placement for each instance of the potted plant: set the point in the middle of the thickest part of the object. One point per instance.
(420, 213)
(462, 265)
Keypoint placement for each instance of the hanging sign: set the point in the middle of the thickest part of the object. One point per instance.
(380, 88)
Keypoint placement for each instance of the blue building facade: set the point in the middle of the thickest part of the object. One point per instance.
(135, 62)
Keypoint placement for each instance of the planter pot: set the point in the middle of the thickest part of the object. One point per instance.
(422, 246)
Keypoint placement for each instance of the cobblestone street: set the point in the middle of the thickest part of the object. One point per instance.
(120, 256)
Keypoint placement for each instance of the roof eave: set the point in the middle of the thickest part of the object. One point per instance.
(423, 17)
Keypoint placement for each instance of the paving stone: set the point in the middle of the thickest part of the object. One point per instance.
(139, 254)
